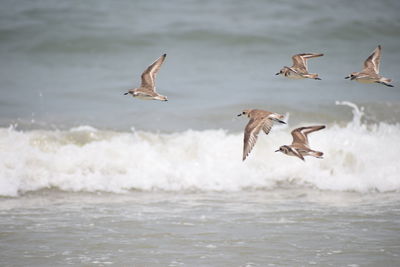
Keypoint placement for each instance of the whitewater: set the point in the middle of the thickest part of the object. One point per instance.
(358, 157)
(90, 177)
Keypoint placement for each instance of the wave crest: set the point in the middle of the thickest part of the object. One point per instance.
(358, 157)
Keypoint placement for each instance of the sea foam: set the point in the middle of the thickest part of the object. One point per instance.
(357, 157)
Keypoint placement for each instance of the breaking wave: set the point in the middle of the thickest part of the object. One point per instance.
(358, 157)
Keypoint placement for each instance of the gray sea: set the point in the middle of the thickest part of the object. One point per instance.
(91, 177)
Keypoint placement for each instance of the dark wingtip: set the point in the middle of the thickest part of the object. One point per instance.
(387, 84)
(317, 79)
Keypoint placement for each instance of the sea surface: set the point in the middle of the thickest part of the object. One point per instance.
(91, 177)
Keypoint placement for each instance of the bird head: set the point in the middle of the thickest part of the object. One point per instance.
(245, 112)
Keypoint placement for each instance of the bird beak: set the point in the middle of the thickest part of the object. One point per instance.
(239, 114)
(347, 77)
(277, 73)
(126, 93)
(277, 150)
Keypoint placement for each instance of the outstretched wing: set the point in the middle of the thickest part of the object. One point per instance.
(149, 75)
(267, 125)
(297, 153)
(373, 61)
(251, 132)
(300, 60)
(300, 135)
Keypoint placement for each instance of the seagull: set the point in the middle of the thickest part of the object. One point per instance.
(370, 72)
(147, 90)
(300, 147)
(259, 119)
(299, 69)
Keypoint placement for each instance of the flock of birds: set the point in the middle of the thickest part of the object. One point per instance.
(262, 119)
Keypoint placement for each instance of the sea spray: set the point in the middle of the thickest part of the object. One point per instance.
(356, 158)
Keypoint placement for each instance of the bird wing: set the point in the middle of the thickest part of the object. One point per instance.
(267, 125)
(300, 135)
(300, 60)
(297, 153)
(295, 71)
(149, 75)
(251, 132)
(145, 92)
(373, 61)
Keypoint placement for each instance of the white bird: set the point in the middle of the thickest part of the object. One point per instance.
(370, 72)
(300, 147)
(259, 119)
(299, 70)
(147, 90)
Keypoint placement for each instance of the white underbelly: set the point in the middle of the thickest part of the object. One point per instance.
(144, 97)
(366, 80)
(292, 75)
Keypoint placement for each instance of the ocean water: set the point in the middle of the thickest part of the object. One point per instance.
(90, 177)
